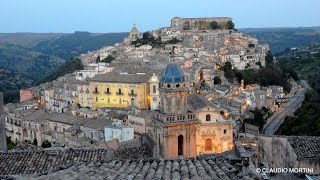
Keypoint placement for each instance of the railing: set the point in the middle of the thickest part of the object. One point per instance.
(107, 92)
(132, 94)
(119, 94)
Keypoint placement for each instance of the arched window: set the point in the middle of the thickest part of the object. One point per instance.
(96, 89)
(208, 117)
(154, 89)
(108, 91)
(119, 92)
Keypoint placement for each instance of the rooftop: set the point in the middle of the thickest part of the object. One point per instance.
(305, 146)
(212, 167)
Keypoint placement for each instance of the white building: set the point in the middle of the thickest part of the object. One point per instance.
(118, 131)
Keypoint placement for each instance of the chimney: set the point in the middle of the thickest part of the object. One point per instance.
(3, 139)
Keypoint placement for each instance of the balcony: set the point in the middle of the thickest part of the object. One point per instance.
(119, 94)
(107, 92)
(96, 92)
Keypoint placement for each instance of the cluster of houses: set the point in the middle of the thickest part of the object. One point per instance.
(119, 100)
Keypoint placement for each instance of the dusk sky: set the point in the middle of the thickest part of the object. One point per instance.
(119, 15)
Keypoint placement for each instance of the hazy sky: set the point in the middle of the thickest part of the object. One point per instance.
(119, 15)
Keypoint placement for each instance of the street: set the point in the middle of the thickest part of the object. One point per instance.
(274, 122)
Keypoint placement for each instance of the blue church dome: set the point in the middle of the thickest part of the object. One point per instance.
(172, 73)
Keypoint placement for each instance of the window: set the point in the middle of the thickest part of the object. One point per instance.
(120, 100)
(208, 117)
(119, 92)
(108, 91)
(108, 100)
(96, 99)
(224, 131)
(132, 92)
(154, 89)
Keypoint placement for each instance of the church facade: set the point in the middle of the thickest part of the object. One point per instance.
(186, 124)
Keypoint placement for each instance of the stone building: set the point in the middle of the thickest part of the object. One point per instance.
(290, 152)
(186, 124)
(133, 35)
(179, 23)
(125, 89)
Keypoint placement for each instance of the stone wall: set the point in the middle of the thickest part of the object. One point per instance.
(178, 23)
(276, 152)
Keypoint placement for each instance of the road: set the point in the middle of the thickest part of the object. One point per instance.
(274, 122)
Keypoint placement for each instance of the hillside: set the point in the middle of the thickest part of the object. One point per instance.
(10, 83)
(280, 39)
(306, 62)
(27, 59)
(74, 44)
(36, 55)
(29, 63)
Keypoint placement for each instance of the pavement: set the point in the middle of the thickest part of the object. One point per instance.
(275, 121)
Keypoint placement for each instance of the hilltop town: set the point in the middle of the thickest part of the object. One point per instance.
(177, 92)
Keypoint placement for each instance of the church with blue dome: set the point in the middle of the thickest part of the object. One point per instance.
(172, 73)
(183, 123)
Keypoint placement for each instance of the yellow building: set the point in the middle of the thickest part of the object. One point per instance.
(120, 90)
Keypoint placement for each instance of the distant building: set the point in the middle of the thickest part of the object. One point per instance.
(178, 23)
(118, 131)
(26, 95)
(133, 35)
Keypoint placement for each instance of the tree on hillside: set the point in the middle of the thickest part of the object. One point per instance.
(214, 25)
(230, 25)
(68, 67)
(108, 59)
(98, 59)
(269, 57)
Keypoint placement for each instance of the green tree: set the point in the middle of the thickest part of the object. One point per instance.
(98, 59)
(269, 57)
(230, 25)
(10, 144)
(46, 144)
(108, 59)
(214, 25)
(35, 142)
(229, 73)
(217, 80)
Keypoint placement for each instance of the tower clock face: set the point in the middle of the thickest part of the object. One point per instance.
(154, 99)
